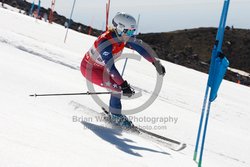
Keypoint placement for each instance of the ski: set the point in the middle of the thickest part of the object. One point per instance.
(164, 141)
(170, 143)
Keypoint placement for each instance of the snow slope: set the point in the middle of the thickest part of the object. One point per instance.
(41, 131)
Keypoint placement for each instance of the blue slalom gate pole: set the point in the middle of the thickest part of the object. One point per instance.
(32, 8)
(201, 123)
(218, 67)
(222, 25)
(71, 14)
(204, 134)
(38, 8)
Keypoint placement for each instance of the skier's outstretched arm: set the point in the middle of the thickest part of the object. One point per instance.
(138, 46)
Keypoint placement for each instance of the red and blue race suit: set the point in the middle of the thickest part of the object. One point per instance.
(98, 64)
(99, 60)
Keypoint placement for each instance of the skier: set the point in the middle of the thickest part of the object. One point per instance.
(98, 62)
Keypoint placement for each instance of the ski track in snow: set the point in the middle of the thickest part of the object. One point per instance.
(37, 51)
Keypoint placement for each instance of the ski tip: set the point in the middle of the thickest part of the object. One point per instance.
(182, 146)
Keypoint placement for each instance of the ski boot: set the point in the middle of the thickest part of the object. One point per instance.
(120, 120)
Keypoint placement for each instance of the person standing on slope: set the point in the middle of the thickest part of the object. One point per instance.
(98, 65)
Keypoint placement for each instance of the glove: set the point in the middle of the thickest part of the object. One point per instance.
(159, 67)
(126, 89)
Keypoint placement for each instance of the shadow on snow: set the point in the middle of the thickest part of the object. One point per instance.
(111, 136)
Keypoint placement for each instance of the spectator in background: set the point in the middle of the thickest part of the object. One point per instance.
(3, 3)
(45, 17)
(26, 12)
(66, 24)
(79, 28)
(34, 14)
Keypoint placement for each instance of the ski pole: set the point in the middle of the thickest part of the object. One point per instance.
(124, 66)
(71, 94)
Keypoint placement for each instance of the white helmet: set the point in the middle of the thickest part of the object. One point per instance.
(124, 22)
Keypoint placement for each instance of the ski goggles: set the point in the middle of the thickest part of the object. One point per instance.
(129, 32)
